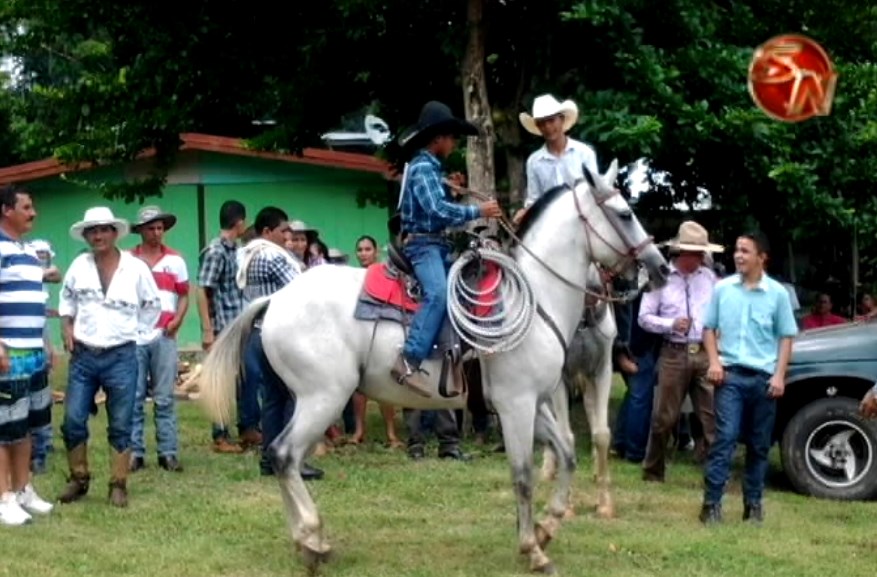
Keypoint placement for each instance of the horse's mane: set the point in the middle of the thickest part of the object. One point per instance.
(535, 211)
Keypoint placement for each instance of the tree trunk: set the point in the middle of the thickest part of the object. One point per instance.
(479, 151)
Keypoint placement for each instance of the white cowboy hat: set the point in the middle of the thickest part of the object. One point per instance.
(692, 237)
(546, 106)
(97, 216)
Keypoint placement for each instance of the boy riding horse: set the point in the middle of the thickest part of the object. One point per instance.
(427, 211)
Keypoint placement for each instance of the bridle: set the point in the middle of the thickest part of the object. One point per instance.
(628, 256)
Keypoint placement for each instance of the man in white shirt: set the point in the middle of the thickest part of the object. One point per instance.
(560, 160)
(108, 298)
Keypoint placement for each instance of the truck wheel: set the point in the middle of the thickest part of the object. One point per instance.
(830, 451)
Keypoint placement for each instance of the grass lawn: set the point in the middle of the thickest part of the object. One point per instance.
(389, 516)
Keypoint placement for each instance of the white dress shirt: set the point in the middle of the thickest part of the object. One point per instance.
(129, 309)
(546, 170)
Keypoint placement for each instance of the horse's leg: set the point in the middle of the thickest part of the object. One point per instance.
(549, 431)
(313, 414)
(596, 399)
(560, 404)
(518, 421)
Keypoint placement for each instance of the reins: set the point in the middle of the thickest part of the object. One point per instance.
(510, 228)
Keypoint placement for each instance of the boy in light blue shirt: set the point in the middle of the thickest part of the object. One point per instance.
(748, 331)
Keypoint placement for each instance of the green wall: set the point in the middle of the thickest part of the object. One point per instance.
(325, 198)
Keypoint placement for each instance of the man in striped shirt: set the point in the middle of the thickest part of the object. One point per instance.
(22, 355)
(157, 349)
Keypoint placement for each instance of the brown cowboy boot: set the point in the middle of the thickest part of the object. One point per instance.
(78, 481)
(223, 445)
(405, 374)
(251, 439)
(119, 466)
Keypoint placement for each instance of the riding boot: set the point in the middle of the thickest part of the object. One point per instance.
(79, 479)
(119, 466)
(412, 377)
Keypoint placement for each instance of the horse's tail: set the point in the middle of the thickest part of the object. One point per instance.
(222, 367)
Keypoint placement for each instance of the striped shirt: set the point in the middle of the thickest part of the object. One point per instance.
(172, 277)
(22, 300)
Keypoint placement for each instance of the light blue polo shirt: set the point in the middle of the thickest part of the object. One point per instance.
(750, 322)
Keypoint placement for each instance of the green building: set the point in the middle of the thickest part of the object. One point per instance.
(319, 187)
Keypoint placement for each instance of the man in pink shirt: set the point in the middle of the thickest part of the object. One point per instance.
(157, 347)
(822, 315)
(676, 313)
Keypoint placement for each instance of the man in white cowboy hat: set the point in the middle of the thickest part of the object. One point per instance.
(561, 158)
(157, 356)
(108, 298)
(427, 211)
(297, 240)
(676, 313)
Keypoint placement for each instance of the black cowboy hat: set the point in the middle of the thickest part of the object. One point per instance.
(435, 119)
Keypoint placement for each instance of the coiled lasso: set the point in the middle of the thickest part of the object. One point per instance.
(510, 299)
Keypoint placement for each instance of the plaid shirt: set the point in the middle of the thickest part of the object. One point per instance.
(267, 273)
(218, 271)
(426, 207)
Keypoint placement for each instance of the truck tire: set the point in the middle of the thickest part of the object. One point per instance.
(829, 451)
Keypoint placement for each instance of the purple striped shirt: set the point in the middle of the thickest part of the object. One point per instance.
(684, 296)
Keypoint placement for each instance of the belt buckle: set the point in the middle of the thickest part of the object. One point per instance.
(693, 348)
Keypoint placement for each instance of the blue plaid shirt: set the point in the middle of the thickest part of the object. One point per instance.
(426, 206)
(218, 272)
(267, 274)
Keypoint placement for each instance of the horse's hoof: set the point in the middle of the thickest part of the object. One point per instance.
(546, 569)
(312, 559)
(605, 512)
(544, 534)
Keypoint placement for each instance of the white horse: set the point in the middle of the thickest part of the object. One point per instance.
(589, 370)
(323, 354)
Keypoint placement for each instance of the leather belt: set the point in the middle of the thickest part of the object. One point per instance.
(692, 348)
(100, 350)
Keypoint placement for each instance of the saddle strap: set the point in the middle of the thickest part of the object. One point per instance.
(554, 328)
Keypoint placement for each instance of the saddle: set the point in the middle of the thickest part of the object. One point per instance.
(391, 292)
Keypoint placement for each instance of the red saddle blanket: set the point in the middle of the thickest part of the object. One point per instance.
(388, 289)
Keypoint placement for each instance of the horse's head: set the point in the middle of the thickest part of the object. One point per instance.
(617, 239)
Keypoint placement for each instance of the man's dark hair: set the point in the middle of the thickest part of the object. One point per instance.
(762, 246)
(230, 213)
(269, 217)
(9, 196)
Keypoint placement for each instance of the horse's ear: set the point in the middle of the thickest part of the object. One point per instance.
(611, 174)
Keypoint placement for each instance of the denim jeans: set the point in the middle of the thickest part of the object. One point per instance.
(41, 432)
(744, 412)
(249, 413)
(278, 404)
(157, 361)
(430, 260)
(635, 415)
(112, 371)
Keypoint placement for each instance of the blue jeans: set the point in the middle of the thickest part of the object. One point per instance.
(156, 361)
(41, 432)
(113, 371)
(430, 260)
(635, 416)
(249, 413)
(278, 404)
(743, 412)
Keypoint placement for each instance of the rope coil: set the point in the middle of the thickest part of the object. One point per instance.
(513, 306)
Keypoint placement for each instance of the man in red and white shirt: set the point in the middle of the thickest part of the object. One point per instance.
(157, 349)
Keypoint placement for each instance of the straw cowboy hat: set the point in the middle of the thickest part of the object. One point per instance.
(99, 216)
(435, 118)
(153, 213)
(546, 106)
(300, 226)
(692, 237)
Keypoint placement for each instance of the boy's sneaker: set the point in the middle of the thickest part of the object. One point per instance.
(33, 503)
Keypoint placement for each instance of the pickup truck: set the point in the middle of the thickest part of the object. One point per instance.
(828, 450)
